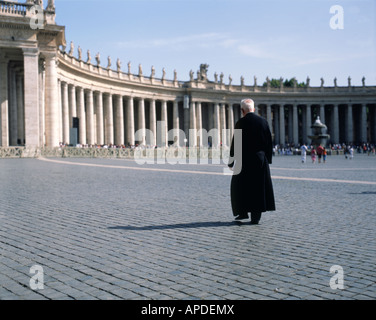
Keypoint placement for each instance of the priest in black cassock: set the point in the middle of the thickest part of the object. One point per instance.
(250, 155)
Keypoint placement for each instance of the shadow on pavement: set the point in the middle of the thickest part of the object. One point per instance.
(182, 226)
(365, 192)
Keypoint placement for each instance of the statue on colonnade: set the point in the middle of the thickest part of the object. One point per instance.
(51, 5)
(88, 57)
(204, 72)
(98, 59)
(71, 51)
(79, 53)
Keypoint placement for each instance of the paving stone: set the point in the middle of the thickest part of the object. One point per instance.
(114, 233)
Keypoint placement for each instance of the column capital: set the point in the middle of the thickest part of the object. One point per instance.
(49, 54)
(30, 51)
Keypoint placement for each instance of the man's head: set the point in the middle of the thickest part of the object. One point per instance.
(247, 106)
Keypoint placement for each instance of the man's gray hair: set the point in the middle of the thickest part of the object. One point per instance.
(248, 105)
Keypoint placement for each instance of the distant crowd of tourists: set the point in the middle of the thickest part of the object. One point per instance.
(291, 149)
(319, 153)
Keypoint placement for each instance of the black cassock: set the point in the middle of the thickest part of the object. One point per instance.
(252, 188)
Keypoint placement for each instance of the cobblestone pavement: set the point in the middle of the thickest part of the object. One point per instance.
(112, 229)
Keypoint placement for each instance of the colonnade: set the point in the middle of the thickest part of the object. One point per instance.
(93, 117)
(48, 97)
(88, 116)
(347, 122)
(43, 106)
(114, 119)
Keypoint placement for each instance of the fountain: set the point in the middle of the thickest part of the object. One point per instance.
(319, 136)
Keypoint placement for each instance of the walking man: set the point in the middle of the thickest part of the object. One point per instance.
(251, 185)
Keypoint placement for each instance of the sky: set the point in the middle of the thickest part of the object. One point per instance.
(249, 38)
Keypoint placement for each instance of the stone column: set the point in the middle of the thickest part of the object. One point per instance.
(269, 116)
(223, 124)
(164, 128)
(282, 134)
(335, 117)
(42, 102)
(130, 121)
(81, 115)
(109, 120)
(199, 123)
(276, 125)
(119, 116)
(72, 104)
(231, 125)
(20, 109)
(186, 116)
(290, 126)
(192, 125)
(141, 120)
(31, 97)
(99, 113)
(153, 122)
(304, 125)
(295, 124)
(60, 110)
(309, 122)
(90, 117)
(4, 102)
(363, 123)
(322, 113)
(13, 109)
(217, 127)
(349, 124)
(65, 106)
(175, 123)
(51, 101)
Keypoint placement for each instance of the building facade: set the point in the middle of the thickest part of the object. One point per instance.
(50, 94)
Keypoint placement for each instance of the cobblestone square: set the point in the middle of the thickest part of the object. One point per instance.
(113, 229)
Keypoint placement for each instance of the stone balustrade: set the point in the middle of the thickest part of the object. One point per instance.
(14, 8)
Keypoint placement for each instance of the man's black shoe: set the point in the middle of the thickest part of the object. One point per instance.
(242, 217)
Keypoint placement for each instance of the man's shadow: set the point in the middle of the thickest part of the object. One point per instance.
(209, 224)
